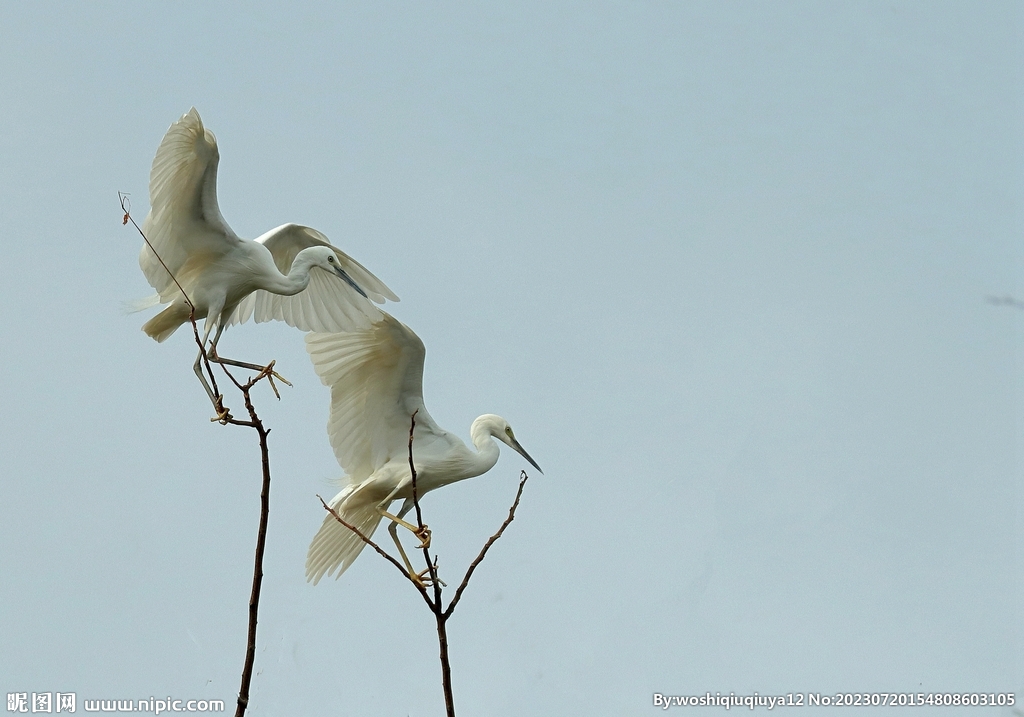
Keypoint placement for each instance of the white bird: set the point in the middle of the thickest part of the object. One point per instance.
(376, 380)
(229, 279)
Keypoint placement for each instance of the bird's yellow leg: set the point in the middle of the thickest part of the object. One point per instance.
(217, 400)
(212, 354)
(223, 415)
(420, 578)
(423, 577)
(422, 533)
(268, 370)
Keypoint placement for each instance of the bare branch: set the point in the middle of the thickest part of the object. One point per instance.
(435, 603)
(431, 564)
(254, 422)
(412, 471)
(127, 207)
(487, 546)
(380, 551)
(261, 541)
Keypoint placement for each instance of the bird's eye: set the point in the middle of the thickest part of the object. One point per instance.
(508, 430)
(330, 259)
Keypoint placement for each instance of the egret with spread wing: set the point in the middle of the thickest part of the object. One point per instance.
(376, 380)
(291, 273)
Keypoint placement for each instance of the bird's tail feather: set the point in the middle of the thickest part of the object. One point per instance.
(335, 547)
(134, 306)
(167, 321)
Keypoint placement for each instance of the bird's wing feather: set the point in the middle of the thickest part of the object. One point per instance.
(335, 546)
(376, 380)
(286, 241)
(184, 223)
(328, 304)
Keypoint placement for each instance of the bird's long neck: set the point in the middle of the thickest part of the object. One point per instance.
(295, 281)
(482, 434)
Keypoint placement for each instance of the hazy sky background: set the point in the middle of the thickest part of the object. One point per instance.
(723, 266)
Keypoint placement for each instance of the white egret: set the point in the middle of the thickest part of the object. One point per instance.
(229, 279)
(376, 380)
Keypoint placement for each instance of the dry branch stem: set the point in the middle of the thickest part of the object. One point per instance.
(380, 551)
(261, 541)
(254, 422)
(487, 546)
(431, 564)
(126, 206)
(435, 603)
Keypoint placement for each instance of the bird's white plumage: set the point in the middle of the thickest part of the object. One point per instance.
(230, 279)
(376, 381)
(184, 220)
(285, 243)
(326, 304)
(335, 547)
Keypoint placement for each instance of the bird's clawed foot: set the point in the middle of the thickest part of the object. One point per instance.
(267, 371)
(423, 578)
(423, 533)
(223, 415)
(271, 374)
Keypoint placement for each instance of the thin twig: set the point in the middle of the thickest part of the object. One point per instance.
(126, 207)
(380, 551)
(412, 471)
(487, 546)
(431, 564)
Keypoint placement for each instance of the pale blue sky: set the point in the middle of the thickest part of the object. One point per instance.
(724, 267)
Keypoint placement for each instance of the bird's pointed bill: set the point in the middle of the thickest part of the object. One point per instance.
(519, 449)
(348, 280)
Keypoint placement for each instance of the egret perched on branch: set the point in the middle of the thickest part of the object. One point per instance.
(291, 273)
(376, 380)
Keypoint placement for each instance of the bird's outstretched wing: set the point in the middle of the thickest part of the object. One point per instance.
(184, 223)
(376, 380)
(327, 304)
